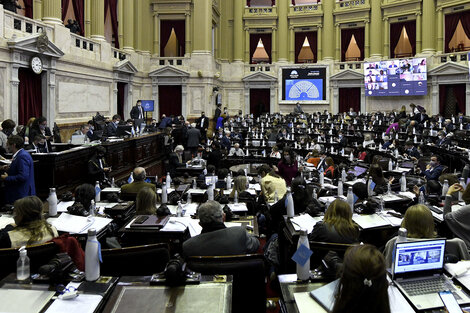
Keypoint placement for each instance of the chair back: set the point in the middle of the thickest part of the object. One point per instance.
(322, 248)
(249, 289)
(38, 255)
(135, 261)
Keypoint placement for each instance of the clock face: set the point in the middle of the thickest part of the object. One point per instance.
(36, 65)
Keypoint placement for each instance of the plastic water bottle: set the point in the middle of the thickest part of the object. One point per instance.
(390, 165)
(350, 198)
(340, 188)
(189, 199)
(229, 182)
(210, 193)
(52, 202)
(97, 192)
(466, 171)
(351, 156)
(92, 208)
(389, 188)
(194, 184)
(343, 175)
(114, 185)
(22, 265)
(445, 188)
(314, 194)
(168, 179)
(322, 178)
(403, 183)
(381, 204)
(164, 194)
(179, 210)
(235, 197)
(92, 256)
(402, 234)
(421, 199)
(370, 191)
(303, 272)
(276, 197)
(290, 204)
(448, 204)
(462, 183)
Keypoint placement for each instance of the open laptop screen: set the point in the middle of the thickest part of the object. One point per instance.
(414, 256)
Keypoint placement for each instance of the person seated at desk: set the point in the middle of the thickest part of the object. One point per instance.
(83, 196)
(433, 169)
(216, 238)
(139, 175)
(239, 185)
(448, 126)
(271, 183)
(176, 160)
(282, 135)
(209, 172)
(342, 140)
(146, 202)
(275, 153)
(458, 221)
(388, 143)
(313, 158)
(431, 191)
(363, 285)
(215, 156)
(443, 141)
(287, 167)
(236, 151)
(111, 128)
(337, 225)
(38, 145)
(7, 130)
(330, 168)
(368, 142)
(411, 151)
(226, 143)
(377, 176)
(221, 175)
(30, 227)
(419, 223)
(97, 166)
(39, 127)
(84, 129)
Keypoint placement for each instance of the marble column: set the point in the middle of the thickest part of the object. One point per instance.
(375, 38)
(440, 32)
(97, 20)
(418, 33)
(429, 27)
(238, 7)
(187, 34)
(367, 41)
(338, 42)
(283, 10)
(291, 44)
(386, 52)
(87, 17)
(128, 30)
(52, 11)
(156, 35)
(319, 43)
(247, 45)
(37, 9)
(203, 23)
(274, 46)
(328, 43)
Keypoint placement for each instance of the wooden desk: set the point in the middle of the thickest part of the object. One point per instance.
(67, 169)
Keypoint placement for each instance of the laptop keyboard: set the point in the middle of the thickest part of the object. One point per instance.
(432, 285)
(435, 209)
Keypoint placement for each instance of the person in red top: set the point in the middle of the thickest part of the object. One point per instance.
(330, 171)
(287, 167)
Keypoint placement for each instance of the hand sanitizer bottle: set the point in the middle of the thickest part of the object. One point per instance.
(403, 183)
(22, 265)
(290, 204)
(235, 197)
(229, 182)
(92, 208)
(52, 202)
(97, 192)
(340, 188)
(164, 194)
(276, 197)
(445, 188)
(402, 234)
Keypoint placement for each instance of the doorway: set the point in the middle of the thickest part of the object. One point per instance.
(29, 95)
(452, 100)
(121, 87)
(260, 100)
(170, 100)
(349, 98)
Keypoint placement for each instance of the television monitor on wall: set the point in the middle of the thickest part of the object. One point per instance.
(403, 77)
(304, 84)
(148, 105)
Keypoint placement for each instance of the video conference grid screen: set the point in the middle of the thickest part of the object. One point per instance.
(405, 77)
(308, 84)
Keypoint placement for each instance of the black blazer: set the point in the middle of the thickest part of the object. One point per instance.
(135, 112)
(205, 124)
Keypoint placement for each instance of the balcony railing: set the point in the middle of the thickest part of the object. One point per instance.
(346, 4)
(87, 47)
(252, 68)
(260, 11)
(119, 54)
(306, 8)
(21, 26)
(459, 57)
(173, 61)
(352, 65)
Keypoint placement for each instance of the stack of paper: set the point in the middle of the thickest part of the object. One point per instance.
(84, 303)
(305, 221)
(78, 224)
(370, 221)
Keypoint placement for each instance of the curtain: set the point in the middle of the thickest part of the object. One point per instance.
(169, 100)
(259, 101)
(395, 33)
(179, 27)
(65, 7)
(465, 19)
(346, 35)
(29, 96)
(459, 91)
(313, 40)
(349, 98)
(120, 98)
(410, 28)
(165, 32)
(28, 8)
(451, 22)
(112, 4)
(442, 98)
(265, 39)
(299, 41)
(78, 8)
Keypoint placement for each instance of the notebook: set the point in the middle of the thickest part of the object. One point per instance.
(418, 272)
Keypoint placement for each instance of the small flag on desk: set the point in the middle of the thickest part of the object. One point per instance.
(302, 255)
(97, 190)
(130, 179)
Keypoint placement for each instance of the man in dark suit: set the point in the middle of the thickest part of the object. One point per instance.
(112, 126)
(217, 113)
(342, 140)
(133, 188)
(176, 160)
(19, 177)
(137, 112)
(38, 145)
(202, 124)
(164, 122)
(193, 138)
(226, 142)
(433, 169)
(411, 151)
(97, 167)
(443, 140)
(215, 238)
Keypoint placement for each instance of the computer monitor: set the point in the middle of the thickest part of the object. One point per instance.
(123, 130)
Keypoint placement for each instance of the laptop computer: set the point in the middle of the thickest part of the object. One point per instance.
(418, 272)
(358, 171)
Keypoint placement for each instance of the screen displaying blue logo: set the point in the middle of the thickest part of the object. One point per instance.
(148, 105)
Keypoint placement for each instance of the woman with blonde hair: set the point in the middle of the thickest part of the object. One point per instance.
(337, 225)
(30, 226)
(419, 223)
(239, 185)
(146, 202)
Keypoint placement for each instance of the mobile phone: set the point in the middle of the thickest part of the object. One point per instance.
(450, 302)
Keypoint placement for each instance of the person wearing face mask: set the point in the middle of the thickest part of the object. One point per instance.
(235, 150)
(342, 140)
(433, 169)
(112, 126)
(38, 145)
(443, 140)
(7, 129)
(287, 167)
(137, 112)
(217, 112)
(411, 151)
(97, 166)
(202, 124)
